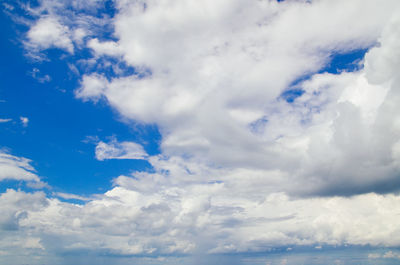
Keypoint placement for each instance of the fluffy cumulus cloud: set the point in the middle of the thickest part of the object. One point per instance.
(213, 75)
(49, 33)
(241, 169)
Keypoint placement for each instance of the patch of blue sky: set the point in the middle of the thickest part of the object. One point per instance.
(59, 124)
(345, 62)
(258, 125)
(345, 256)
(215, 182)
(103, 8)
(291, 94)
(338, 63)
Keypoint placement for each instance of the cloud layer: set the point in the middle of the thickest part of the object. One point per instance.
(199, 218)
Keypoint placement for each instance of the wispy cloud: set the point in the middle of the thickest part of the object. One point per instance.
(5, 120)
(387, 255)
(16, 168)
(119, 150)
(69, 196)
(35, 73)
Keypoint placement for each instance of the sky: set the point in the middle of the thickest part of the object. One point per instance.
(199, 132)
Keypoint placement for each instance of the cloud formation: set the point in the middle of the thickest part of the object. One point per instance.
(241, 169)
(215, 83)
(199, 218)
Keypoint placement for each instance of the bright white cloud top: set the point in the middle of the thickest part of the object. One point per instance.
(241, 169)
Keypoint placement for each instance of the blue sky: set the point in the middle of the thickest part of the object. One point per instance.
(199, 133)
(54, 114)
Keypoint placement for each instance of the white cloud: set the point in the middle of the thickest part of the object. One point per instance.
(203, 218)
(5, 120)
(32, 243)
(104, 48)
(391, 255)
(93, 87)
(41, 78)
(16, 168)
(374, 256)
(387, 255)
(119, 150)
(47, 33)
(69, 196)
(65, 25)
(24, 121)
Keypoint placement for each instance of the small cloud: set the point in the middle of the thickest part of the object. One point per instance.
(109, 48)
(391, 255)
(62, 90)
(49, 32)
(119, 150)
(8, 7)
(35, 73)
(318, 247)
(92, 87)
(38, 185)
(5, 120)
(33, 243)
(374, 256)
(69, 196)
(91, 139)
(16, 168)
(387, 255)
(24, 121)
(73, 69)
